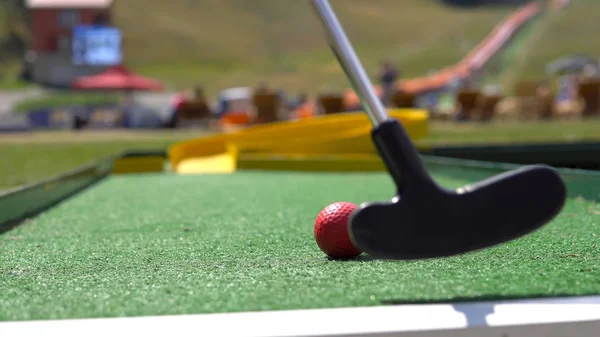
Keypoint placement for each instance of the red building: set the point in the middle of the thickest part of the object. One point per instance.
(51, 23)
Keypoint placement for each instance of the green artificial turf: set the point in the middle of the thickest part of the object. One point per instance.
(162, 244)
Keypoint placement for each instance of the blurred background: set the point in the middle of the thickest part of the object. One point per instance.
(85, 78)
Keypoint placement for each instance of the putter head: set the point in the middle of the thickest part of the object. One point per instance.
(427, 221)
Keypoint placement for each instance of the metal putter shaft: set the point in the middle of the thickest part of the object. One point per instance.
(425, 220)
(350, 63)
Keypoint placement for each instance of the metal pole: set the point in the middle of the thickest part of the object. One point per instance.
(350, 63)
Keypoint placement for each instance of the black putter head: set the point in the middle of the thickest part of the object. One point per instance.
(427, 221)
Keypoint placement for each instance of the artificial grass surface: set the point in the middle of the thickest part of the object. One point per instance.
(161, 244)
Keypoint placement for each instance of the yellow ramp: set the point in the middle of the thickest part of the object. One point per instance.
(219, 163)
(343, 133)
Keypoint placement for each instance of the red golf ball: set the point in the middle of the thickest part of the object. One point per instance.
(331, 231)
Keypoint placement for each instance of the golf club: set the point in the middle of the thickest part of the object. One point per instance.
(425, 220)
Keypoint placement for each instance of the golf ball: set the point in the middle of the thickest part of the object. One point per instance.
(331, 231)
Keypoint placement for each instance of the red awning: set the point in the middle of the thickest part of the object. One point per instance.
(117, 78)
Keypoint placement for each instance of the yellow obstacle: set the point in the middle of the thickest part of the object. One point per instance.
(219, 163)
(344, 133)
(138, 164)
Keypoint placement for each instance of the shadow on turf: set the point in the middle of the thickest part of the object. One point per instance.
(477, 315)
(360, 258)
(484, 298)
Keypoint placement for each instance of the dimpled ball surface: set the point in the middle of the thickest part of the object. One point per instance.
(331, 231)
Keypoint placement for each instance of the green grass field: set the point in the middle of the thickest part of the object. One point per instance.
(235, 42)
(283, 43)
(63, 100)
(569, 32)
(31, 158)
(189, 42)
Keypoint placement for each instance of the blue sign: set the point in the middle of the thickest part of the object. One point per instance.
(97, 45)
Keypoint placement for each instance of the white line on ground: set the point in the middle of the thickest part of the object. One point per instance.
(579, 316)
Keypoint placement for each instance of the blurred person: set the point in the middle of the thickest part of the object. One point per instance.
(298, 101)
(127, 107)
(567, 88)
(430, 99)
(177, 101)
(198, 93)
(29, 61)
(80, 118)
(545, 101)
(261, 88)
(302, 98)
(543, 88)
(388, 75)
(469, 85)
(567, 100)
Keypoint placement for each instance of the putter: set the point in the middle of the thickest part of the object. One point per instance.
(425, 220)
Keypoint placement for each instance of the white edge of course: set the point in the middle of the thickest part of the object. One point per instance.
(573, 317)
